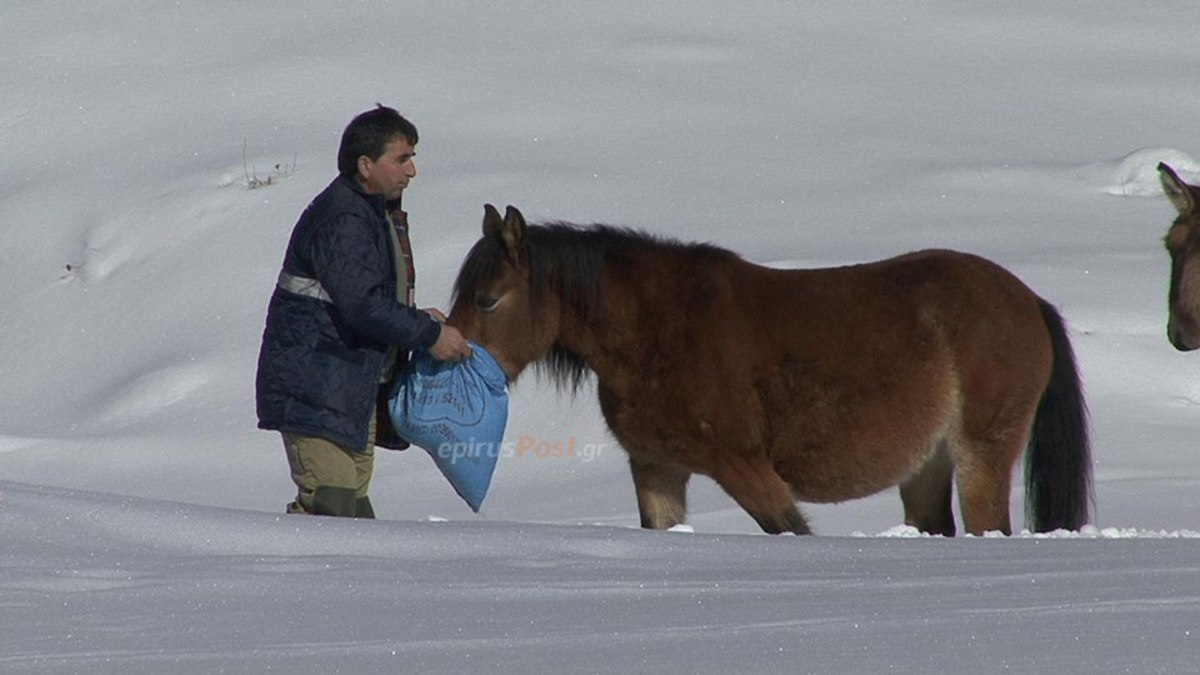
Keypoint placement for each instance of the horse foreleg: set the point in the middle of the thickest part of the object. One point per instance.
(762, 493)
(927, 496)
(661, 494)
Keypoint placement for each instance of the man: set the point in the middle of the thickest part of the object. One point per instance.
(340, 321)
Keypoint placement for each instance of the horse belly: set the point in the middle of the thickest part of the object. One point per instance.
(680, 431)
(837, 440)
(853, 473)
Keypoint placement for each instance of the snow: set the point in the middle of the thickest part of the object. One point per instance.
(141, 525)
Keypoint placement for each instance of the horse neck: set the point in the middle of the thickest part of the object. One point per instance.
(639, 308)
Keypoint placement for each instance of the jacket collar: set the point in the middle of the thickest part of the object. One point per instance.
(378, 204)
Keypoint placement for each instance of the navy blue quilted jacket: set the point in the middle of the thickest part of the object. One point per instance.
(322, 357)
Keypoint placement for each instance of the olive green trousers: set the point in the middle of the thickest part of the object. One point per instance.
(330, 480)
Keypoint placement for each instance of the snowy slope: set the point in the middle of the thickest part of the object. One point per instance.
(147, 586)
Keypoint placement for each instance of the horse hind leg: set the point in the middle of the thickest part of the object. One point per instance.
(661, 494)
(984, 479)
(762, 493)
(927, 495)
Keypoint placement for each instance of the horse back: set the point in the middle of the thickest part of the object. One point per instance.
(733, 322)
(931, 300)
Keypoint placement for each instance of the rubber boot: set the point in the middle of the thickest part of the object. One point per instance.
(333, 501)
(363, 508)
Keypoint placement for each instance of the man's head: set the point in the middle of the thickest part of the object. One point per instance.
(377, 149)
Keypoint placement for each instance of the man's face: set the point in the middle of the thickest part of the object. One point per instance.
(388, 175)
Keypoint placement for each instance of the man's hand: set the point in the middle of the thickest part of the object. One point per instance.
(436, 313)
(450, 345)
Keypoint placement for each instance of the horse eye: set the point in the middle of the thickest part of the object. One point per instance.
(486, 303)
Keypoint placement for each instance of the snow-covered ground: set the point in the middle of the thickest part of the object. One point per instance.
(141, 525)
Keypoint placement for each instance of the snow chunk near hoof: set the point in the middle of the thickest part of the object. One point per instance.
(898, 532)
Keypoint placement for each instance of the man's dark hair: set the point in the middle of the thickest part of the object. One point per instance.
(369, 133)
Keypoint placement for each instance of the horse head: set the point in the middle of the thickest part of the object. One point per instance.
(496, 300)
(1183, 242)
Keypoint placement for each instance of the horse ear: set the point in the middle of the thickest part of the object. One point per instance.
(1179, 192)
(513, 234)
(491, 221)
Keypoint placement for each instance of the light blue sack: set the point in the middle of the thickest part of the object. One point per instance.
(457, 413)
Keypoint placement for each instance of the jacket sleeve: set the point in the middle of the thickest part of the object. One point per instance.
(356, 272)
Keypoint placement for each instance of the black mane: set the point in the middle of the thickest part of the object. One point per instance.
(569, 260)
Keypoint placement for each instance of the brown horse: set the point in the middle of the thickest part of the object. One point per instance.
(1183, 240)
(928, 370)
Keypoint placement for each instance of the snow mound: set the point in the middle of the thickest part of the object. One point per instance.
(1136, 174)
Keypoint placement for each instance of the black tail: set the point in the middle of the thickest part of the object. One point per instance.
(1058, 466)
